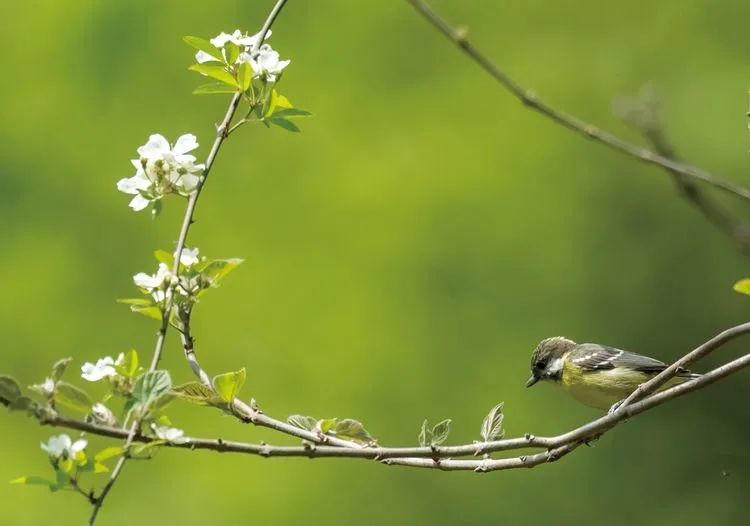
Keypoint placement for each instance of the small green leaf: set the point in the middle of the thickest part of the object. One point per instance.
(9, 388)
(283, 123)
(244, 76)
(326, 425)
(303, 422)
(129, 365)
(440, 432)
(58, 369)
(350, 429)
(425, 434)
(100, 468)
(33, 481)
(290, 113)
(108, 452)
(204, 45)
(233, 52)
(23, 403)
(196, 393)
(743, 286)
(152, 311)
(492, 426)
(139, 302)
(215, 72)
(146, 450)
(150, 386)
(216, 269)
(72, 397)
(228, 385)
(213, 88)
(162, 256)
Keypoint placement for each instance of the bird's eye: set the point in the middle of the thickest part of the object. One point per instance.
(541, 364)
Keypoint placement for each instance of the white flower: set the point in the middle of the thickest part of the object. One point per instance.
(60, 445)
(170, 434)
(103, 368)
(266, 63)
(189, 256)
(46, 388)
(162, 169)
(145, 281)
(101, 414)
(237, 37)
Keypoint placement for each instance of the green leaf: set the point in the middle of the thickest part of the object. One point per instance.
(146, 450)
(233, 52)
(213, 88)
(139, 302)
(129, 365)
(152, 311)
(283, 123)
(58, 369)
(72, 397)
(228, 385)
(303, 422)
(9, 388)
(350, 429)
(150, 386)
(743, 286)
(33, 481)
(100, 468)
(196, 393)
(290, 113)
(218, 268)
(109, 452)
(492, 426)
(162, 256)
(425, 434)
(204, 45)
(215, 72)
(23, 403)
(326, 425)
(244, 76)
(440, 432)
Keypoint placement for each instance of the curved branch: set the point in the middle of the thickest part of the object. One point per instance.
(443, 458)
(531, 100)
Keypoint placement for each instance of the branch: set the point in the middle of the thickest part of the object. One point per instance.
(530, 99)
(221, 135)
(642, 112)
(444, 457)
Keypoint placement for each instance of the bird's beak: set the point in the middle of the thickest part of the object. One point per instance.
(531, 381)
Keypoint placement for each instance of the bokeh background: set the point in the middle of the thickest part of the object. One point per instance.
(404, 253)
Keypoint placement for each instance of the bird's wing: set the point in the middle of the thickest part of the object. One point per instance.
(595, 357)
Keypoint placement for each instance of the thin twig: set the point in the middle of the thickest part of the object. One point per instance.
(531, 100)
(221, 135)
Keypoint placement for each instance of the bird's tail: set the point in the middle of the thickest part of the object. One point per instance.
(687, 375)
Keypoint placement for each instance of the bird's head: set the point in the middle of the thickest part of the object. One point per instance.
(546, 361)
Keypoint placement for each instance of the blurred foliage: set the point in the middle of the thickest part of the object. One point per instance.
(404, 253)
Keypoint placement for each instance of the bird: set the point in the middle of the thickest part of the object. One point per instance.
(596, 375)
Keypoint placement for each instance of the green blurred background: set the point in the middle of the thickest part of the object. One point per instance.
(404, 253)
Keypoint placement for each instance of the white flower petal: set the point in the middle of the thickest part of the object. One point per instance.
(155, 146)
(202, 57)
(189, 182)
(138, 203)
(186, 143)
(133, 185)
(189, 256)
(78, 445)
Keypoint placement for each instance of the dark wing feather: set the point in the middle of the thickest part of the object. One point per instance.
(595, 357)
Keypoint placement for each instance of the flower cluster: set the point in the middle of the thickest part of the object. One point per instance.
(265, 62)
(162, 169)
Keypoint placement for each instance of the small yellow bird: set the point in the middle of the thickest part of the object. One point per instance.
(596, 375)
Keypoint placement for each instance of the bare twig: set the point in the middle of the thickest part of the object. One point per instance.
(643, 113)
(444, 457)
(531, 100)
(221, 135)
